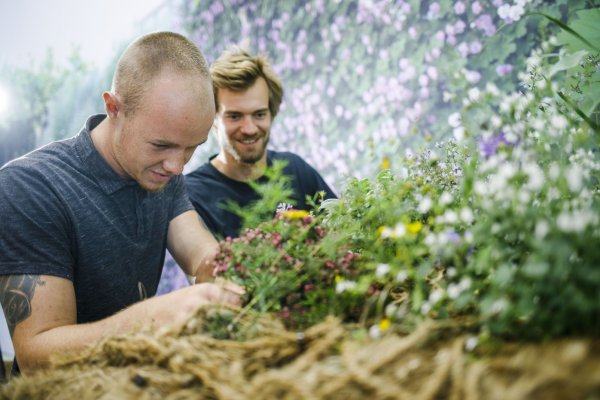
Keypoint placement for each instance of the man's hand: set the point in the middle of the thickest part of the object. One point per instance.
(177, 307)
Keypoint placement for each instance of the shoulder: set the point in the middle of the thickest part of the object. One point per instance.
(43, 160)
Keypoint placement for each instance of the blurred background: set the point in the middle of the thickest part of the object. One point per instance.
(365, 80)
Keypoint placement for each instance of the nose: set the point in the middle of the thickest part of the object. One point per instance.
(174, 164)
(248, 126)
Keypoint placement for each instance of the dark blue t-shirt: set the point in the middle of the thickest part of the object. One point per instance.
(65, 212)
(210, 190)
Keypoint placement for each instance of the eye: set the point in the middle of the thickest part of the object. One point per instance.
(233, 117)
(159, 146)
(260, 115)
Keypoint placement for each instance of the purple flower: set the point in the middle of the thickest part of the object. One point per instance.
(472, 76)
(434, 8)
(440, 35)
(485, 24)
(489, 147)
(504, 69)
(463, 49)
(475, 47)
(476, 8)
(459, 8)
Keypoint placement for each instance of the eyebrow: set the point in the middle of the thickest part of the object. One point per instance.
(167, 143)
(231, 112)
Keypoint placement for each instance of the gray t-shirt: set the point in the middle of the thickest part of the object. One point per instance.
(65, 212)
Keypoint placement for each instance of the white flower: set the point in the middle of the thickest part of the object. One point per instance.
(375, 332)
(574, 177)
(445, 199)
(515, 12)
(466, 215)
(382, 270)
(474, 94)
(391, 310)
(465, 283)
(469, 237)
(481, 188)
(453, 291)
(449, 217)
(399, 229)
(386, 232)
(454, 120)
(459, 133)
(537, 124)
(492, 89)
(558, 121)
(535, 176)
(541, 229)
(498, 306)
(425, 308)
(342, 286)
(496, 121)
(503, 11)
(425, 204)
(451, 272)
(436, 296)
(401, 276)
(471, 343)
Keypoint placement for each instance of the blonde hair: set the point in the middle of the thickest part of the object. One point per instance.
(237, 70)
(146, 57)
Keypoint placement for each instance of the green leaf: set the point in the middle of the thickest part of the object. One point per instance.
(587, 26)
(583, 25)
(567, 61)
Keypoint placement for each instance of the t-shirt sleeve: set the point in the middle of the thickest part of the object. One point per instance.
(34, 234)
(181, 200)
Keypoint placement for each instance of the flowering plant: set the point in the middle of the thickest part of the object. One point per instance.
(503, 228)
(287, 267)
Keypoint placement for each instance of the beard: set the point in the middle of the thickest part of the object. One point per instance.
(245, 156)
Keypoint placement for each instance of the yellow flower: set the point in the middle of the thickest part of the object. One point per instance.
(385, 163)
(384, 324)
(296, 214)
(414, 227)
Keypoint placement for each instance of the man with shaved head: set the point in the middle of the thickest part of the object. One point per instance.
(86, 220)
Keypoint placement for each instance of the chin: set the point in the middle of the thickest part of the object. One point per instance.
(156, 187)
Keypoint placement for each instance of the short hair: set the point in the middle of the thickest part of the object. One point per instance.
(237, 70)
(146, 57)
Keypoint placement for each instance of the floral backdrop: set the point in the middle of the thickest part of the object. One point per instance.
(370, 79)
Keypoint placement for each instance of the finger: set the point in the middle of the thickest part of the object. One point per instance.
(229, 286)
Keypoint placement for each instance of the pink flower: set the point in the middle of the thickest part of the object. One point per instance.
(459, 8)
(504, 69)
(475, 47)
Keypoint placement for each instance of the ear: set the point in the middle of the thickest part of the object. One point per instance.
(111, 104)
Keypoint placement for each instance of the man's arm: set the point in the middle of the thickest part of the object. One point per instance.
(41, 314)
(192, 245)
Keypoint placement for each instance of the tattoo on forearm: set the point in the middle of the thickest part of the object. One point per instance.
(16, 293)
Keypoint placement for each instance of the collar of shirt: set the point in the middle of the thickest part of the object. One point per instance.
(97, 166)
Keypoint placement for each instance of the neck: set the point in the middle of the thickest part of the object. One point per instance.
(238, 170)
(100, 138)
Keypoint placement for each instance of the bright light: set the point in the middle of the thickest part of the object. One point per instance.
(4, 104)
